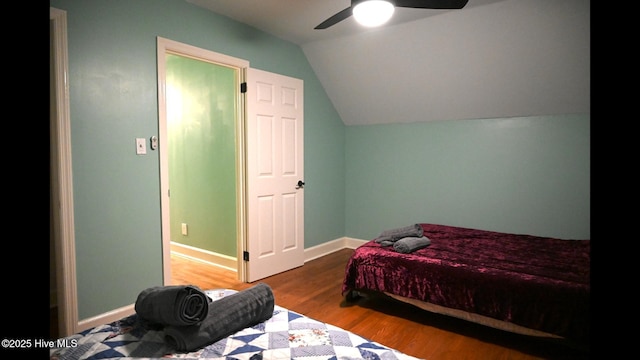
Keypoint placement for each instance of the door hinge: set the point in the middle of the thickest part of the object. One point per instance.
(245, 255)
(243, 87)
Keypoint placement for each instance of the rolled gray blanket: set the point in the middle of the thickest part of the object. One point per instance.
(410, 244)
(388, 237)
(226, 316)
(172, 305)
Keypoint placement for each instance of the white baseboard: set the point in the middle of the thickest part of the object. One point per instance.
(205, 256)
(230, 263)
(330, 247)
(351, 243)
(106, 318)
(223, 261)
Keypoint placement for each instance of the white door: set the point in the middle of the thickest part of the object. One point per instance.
(275, 174)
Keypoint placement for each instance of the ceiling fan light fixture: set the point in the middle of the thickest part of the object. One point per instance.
(372, 13)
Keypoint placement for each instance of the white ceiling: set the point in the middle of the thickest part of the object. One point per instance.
(491, 59)
(294, 20)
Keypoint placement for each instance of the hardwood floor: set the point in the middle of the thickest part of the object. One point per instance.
(315, 291)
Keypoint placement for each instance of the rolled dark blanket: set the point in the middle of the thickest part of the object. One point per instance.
(172, 305)
(226, 316)
(410, 244)
(388, 237)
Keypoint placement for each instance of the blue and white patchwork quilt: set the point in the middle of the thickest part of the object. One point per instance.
(286, 335)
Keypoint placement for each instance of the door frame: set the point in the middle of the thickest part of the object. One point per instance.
(61, 184)
(165, 46)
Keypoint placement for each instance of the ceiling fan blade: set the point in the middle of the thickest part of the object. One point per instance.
(418, 4)
(432, 4)
(335, 18)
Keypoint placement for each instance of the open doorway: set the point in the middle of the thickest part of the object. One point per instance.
(269, 157)
(201, 111)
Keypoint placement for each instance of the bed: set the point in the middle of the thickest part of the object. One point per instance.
(284, 335)
(538, 286)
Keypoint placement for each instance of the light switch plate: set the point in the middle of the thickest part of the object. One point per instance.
(141, 146)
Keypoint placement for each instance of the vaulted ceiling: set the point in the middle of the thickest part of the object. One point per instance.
(491, 59)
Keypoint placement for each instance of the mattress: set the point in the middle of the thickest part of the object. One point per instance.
(534, 282)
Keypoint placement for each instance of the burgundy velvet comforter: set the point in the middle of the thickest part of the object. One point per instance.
(536, 282)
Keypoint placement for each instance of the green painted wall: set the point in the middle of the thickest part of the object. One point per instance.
(202, 108)
(528, 175)
(114, 99)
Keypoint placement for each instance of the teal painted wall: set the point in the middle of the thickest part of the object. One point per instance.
(528, 175)
(113, 100)
(202, 108)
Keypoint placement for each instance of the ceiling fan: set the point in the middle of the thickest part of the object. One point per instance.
(416, 4)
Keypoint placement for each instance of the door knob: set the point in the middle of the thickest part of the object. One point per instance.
(300, 184)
